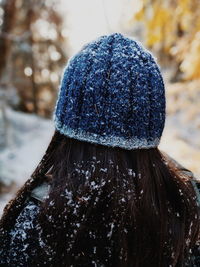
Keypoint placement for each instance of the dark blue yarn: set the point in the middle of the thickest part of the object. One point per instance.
(112, 93)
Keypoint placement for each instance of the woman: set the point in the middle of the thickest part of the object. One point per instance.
(103, 194)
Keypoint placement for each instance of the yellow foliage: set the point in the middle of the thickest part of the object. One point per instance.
(173, 27)
(191, 64)
(156, 26)
(139, 15)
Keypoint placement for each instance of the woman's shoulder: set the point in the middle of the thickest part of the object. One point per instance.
(40, 192)
(196, 185)
(16, 242)
(195, 182)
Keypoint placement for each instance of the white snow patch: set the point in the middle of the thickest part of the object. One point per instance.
(29, 138)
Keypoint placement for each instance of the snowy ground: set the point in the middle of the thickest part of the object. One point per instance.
(30, 136)
(182, 131)
(180, 144)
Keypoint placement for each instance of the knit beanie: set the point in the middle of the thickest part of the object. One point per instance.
(112, 93)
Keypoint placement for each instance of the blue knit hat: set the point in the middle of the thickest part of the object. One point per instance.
(112, 93)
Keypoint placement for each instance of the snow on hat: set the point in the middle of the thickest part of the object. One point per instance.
(112, 93)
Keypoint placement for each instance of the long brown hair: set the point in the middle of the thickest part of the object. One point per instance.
(112, 207)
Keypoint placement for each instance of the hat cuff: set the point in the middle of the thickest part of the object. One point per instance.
(107, 140)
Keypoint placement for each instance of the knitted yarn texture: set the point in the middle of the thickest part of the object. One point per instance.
(112, 93)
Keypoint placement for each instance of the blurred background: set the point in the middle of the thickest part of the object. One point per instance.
(37, 37)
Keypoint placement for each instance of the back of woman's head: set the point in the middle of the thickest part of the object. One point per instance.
(115, 199)
(117, 207)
